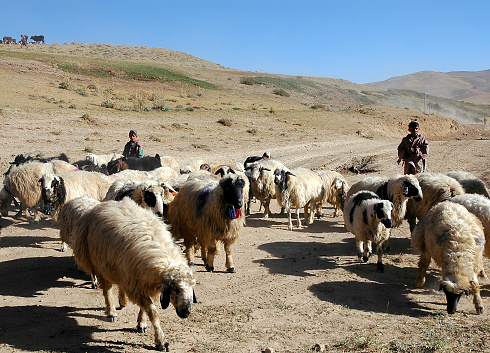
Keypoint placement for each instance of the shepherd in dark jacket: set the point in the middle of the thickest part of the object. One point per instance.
(413, 150)
(133, 148)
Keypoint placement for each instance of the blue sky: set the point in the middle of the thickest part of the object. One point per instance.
(356, 40)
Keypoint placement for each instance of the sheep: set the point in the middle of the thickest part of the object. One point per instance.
(207, 212)
(262, 182)
(124, 244)
(57, 189)
(334, 191)
(224, 170)
(398, 189)
(470, 183)
(436, 187)
(299, 188)
(22, 183)
(162, 174)
(102, 159)
(478, 205)
(216, 165)
(369, 218)
(149, 194)
(171, 162)
(454, 238)
(146, 163)
(191, 166)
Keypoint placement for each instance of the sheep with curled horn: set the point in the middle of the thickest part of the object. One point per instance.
(298, 188)
(124, 244)
(454, 238)
(368, 217)
(207, 212)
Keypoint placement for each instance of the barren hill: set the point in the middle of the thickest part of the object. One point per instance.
(468, 86)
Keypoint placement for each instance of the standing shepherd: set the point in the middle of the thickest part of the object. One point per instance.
(23, 40)
(413, 150)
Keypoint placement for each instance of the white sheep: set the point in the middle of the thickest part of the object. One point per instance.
(67, 218)
(299, 188)
(454, 238)
(124, 244)
(191, 166)
(334, 191)
(22, 182)
(436, 187)
(478, 205)
(57, 189)
(171, 162)
(162, 174)
(262, 182)
(470, 182)
(99, 160)
(368, 217)
(398, 189)
(207, 212)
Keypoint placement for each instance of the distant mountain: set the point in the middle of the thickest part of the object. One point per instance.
(468, 86)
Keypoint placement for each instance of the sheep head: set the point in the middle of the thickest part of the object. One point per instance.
(178, 290)
(382, 211)
(52, 189)
(411, 188)
(232, 186)
(453, 293)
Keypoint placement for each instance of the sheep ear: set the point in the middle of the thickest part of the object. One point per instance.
(264, 168)
(165, 295)
(289, 173)
(194, 299)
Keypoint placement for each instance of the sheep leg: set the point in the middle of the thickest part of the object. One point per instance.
(360, 249)
(379, 251)
(110, 308)
(229, 259)
(298, 220)
(210, 256)
(475, 288)
(424, 263)
(152, 312)
(290, 221)
(123, 301)
(142, 327)
(189, 251)
(204, 253)
(266, 204)
(308, 214)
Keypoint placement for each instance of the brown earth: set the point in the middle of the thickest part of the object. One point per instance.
(292, 289)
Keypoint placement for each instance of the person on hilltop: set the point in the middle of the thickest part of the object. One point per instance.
(413, 150)
(133, 148)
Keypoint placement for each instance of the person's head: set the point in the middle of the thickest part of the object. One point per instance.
(413, 127)
(133, 135)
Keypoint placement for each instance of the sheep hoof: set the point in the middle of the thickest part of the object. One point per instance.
(365, 258)
(231, 270)
(95, 285)
(479, 310)
(191, 264)
(112, 318)
(163, 347)
(209, 268)
(143, 329)
(380, 267)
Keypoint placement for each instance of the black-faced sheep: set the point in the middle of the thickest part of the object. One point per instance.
(398, 189)
(57, 189)
(146, 163)
(224, 170)
(253, 159)
(262, 182)
(299, 188)
(149, 194)
(478, 205)
(207, 212)
(22, 182)
(470, 182)
(368, 217)
(124, 244)
(334, 191)
(453, 237)
(436, 187)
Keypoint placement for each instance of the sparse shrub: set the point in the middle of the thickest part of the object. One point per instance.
(92, 86)
(281, 92)
(252, 131)
(318, 106)
(189, 109)
(64, 85)
(88, 149)
(72, 106)
(225, 122)
(163, 108)
(247, 81)
(107, 104)
(56, 133)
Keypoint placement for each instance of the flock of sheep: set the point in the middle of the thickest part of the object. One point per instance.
(122, 227)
